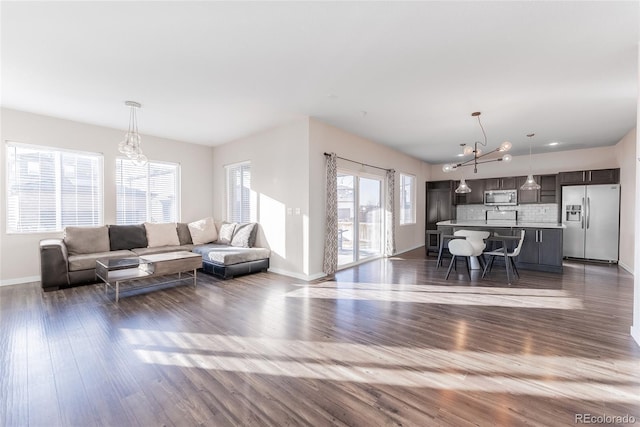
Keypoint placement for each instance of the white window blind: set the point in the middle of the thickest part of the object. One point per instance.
(407, 199)
(49, 189)
(239, 192)
(147, 193)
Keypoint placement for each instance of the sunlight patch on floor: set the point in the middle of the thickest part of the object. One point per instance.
(430, 294)
(553, 376)
(398, 377)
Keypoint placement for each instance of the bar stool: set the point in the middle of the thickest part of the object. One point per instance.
(444, 238)
(432, 243)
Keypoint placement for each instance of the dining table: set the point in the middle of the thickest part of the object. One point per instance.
(505, 240)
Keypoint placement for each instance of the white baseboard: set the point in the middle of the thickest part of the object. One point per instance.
(407, 250)
(635, 333)
(305, 277)
(19, 280)
(626, 267)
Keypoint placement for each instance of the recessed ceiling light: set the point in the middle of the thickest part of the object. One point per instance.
(553, 143)
(460, 155)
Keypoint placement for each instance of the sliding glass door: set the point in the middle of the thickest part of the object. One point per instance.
(360, 217)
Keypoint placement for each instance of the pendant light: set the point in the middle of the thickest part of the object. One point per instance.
(131, 146)
(530, 183)
(463, 187)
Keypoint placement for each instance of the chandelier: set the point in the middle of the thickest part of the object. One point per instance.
(131, 146)
(477, 153)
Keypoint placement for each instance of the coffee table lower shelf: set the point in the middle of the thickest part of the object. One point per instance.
(116, 271)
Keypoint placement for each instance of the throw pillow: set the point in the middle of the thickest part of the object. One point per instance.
(164, 234)
(184, 235)
(244, 235)
(203, 231)
(127, 237)
(226, 232)
(86, 240)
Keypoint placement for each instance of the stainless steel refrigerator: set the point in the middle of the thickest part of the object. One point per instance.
(591, 214)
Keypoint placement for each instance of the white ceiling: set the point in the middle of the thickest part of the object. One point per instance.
(211, 72)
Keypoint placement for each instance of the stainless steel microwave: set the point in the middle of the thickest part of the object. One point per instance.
(501, 197)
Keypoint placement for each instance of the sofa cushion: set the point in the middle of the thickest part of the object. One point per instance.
(88, 261)
(229, 255)
(86, 240)
(244, 235)
(203, 231)
(161, 249)
(226, 233)
(184, 235)
(163, 234)
(127, 237)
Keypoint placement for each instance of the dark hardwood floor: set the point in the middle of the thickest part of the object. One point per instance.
(388, 343)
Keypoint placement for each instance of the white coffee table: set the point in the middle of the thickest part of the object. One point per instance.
(115, 271)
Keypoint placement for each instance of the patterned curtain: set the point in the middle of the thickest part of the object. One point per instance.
(331, 228)
(390, 217)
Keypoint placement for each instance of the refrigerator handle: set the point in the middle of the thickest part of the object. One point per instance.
(588, 211)
(582, 216)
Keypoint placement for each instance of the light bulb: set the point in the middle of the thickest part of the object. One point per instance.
(123, 147)
(505, 146)
(140, 160)
(506, 158)
(447, 167)
(478, 152)
(468, 150)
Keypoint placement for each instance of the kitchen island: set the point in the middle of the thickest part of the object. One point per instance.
(542, 246)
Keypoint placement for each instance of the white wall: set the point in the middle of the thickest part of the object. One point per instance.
(280, 183)
(288, 176)
(325, 138)
(626, 156)
(19, 256)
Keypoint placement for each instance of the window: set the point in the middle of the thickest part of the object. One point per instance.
(148, 193)
(407, 199)
(49, 189)
(239, 192)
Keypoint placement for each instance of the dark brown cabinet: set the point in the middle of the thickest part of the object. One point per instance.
(476, 197)
(596, 176)
(541, 250)
(547, 193)
(505, 183)
(440, 205)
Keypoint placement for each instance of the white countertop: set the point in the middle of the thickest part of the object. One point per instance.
(497, 223)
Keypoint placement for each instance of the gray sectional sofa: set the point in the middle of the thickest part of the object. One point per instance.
(71, 261)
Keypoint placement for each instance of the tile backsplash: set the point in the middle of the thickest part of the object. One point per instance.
(547, 212)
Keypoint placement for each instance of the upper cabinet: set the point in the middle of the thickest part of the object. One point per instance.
(476, 197)
(505, 183)
(598, 176)
(547, 193)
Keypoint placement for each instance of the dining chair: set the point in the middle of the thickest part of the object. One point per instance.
(501, 253)
(477, 240)
(460, 248)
